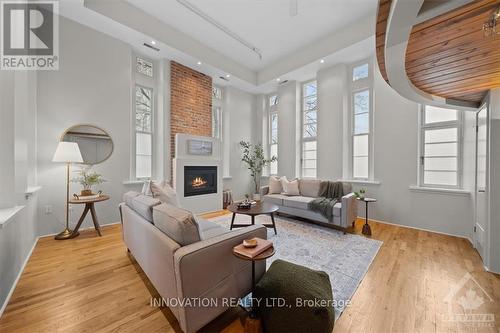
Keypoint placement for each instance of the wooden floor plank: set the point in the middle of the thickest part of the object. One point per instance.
(91, 284)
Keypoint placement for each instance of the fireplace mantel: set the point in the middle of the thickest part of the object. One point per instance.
(200, 202)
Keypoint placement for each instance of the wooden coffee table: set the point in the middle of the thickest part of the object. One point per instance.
(260, 208)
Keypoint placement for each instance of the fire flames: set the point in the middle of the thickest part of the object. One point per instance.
(198, 182)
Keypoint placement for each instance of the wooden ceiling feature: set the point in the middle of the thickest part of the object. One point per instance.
(448, 55)
(384, 8)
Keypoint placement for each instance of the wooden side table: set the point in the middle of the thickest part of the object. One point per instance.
(89, 206)
(252, 324)
(367, 230)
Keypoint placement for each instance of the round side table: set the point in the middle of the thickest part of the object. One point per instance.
(253, 322)
(367, 230)
(89, 206)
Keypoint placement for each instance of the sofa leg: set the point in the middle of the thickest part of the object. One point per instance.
(128, 250)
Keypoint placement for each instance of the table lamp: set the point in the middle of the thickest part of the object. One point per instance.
(67, 152)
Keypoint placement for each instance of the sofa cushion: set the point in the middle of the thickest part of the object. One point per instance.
(127, 197)
(143, 205)
(209, 229)
(164, 192)
(299, 202)
(337, 208)
(276, 199)
(347, 188)
(309, 187)
(177, 223)
(275, 186)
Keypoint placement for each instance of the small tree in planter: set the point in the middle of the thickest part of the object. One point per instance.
(253, 156)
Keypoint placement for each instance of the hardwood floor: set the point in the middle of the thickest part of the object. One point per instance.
(91, 284)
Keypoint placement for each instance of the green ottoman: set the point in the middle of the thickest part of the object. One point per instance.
(307, 295)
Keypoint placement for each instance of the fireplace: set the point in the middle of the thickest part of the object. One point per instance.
(199, 180)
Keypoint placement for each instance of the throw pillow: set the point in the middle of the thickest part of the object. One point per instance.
(177, 223)
(275, 186)
(290, 187)
(164, 192)
(146, 188)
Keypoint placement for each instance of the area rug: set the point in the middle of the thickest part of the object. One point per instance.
(344, 257)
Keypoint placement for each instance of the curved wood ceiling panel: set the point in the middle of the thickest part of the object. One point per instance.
(448, 55)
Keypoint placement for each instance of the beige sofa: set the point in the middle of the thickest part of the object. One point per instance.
(187, 261)
(344, 212)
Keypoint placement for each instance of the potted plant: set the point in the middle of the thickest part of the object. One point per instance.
(253, 156)
(88, 179)
(360, 194)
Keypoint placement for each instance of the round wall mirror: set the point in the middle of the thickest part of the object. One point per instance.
(95, 144)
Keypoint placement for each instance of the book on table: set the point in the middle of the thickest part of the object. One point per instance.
(252, 252)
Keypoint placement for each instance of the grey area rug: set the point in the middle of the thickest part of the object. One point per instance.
(345, 258)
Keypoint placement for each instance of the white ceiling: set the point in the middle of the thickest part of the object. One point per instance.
(267, 24)
(220, 55)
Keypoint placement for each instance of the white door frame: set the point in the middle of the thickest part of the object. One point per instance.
(486, 243)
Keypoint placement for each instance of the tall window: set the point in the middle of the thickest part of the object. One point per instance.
(309, 129)
(273, 133)
(216, 112)
(143, 132)
(440, 153)
(361, 121)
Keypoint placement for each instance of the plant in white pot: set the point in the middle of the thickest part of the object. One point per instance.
(253, 156)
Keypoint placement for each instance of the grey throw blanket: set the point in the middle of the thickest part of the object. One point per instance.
(329, 194)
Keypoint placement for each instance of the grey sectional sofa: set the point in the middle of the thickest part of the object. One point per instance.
(344, 212)
(187, 258)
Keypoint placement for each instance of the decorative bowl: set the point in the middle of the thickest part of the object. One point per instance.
(249, 243)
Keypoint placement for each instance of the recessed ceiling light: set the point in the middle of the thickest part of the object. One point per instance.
(278, 80)
(199, 63)
(153, 42)
(322, 61)
(228, 76)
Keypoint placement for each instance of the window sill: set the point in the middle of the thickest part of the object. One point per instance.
(8, 214)
(133, 182)
(449, 191)
(362, 182)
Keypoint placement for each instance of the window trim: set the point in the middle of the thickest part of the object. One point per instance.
(272, 110)
(217, 103)
(308, 139)
(422, 127)
(152, 133)
(365, 84)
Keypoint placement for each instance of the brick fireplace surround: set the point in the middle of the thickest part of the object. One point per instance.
(190, 103)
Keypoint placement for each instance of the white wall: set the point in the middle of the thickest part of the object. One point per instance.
(17, 171)
(494, 186)
(395, 154)
(332, 103)
(92, 86)
(289, 129)
(238, 124)
(395, 166)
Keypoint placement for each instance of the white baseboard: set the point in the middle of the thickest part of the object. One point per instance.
(14, 285)
(416, 228)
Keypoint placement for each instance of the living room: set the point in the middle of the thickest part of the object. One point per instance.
(158, 138)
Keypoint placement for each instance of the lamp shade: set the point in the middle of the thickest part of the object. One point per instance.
(67, 152)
